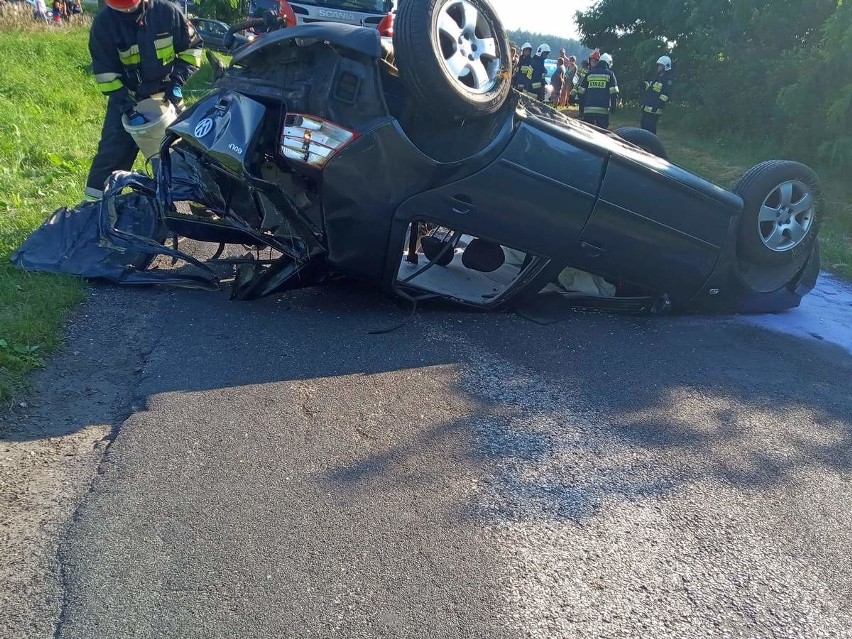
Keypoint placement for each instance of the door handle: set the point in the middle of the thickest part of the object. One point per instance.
(462, 204)
(590, 250)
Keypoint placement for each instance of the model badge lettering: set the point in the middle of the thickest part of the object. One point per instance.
(235, 149)
(339, 15)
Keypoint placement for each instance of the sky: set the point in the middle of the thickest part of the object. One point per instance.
(550, 17)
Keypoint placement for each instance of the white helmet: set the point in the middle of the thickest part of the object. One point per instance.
(666, 61)
(605, 57)
(542, 49)
(526, 45)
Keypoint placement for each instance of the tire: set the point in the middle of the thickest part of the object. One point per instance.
(782, 213)
(453, 56)
(644, 140)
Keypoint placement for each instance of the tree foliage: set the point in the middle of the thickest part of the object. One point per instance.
(229, 11)
(571, 46)
(752, 68)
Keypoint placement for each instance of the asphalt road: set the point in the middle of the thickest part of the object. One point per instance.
(282, 473)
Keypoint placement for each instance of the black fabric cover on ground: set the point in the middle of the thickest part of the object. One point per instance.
(114, 239)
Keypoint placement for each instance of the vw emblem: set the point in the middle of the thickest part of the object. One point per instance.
(203, 127)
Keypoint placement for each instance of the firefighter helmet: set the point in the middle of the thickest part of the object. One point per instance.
(607, 58)
(543, 49)
(124, 6)
(666, 62)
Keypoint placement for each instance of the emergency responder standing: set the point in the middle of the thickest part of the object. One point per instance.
(582, 72)
(658, 91)
(539, 79)
(598, 92)
(139, 48)
(522, 79)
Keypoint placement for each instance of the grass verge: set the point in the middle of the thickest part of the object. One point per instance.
(50, 126)
(52, 117)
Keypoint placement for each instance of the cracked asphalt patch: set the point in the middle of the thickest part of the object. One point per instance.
(285, 474)
(52, 442)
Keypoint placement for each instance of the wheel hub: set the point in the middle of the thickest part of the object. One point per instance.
(466, 42)
(786, 216)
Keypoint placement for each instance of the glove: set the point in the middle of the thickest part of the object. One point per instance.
(134, 118)
(175, 96)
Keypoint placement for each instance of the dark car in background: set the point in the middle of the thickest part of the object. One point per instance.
(213, 33)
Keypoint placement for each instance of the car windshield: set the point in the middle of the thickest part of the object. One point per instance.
(366, 6)
(213, 28)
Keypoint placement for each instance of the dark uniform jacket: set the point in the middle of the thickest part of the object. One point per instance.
(598, 91)
(539, 72)
(657, 93)
(523, 80)
(137, 55)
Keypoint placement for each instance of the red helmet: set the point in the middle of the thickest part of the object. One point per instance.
(595, 55)
(386, 26)
(125, 6)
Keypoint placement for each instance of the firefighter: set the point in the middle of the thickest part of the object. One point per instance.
(598, 92)
(539, 79)
(139, 48)
(582, 72)
(523, 78)
(657, 93)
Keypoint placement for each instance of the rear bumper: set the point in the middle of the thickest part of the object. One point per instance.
(731, 288)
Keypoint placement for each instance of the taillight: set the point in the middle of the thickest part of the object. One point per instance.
(312, 140)
(286, 11)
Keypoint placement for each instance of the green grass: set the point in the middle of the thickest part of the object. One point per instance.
(51, 118)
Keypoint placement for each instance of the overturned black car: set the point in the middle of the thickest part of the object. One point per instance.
(412, 163)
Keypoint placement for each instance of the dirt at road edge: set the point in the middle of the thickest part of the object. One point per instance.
(52, 442)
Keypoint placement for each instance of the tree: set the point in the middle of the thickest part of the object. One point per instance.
(571, 46)
(817, 107)
(732, 58)
(226, 10)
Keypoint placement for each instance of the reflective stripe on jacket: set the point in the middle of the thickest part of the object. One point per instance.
(657, 93)
(137, 55)
(598, 91)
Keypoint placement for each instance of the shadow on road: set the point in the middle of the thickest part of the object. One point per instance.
(561, 418)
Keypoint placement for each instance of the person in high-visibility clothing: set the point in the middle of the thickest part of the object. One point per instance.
(582, 72)
(658, 92)
(598, 92)
(539, 79)
(139, 48)
(523, 76)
